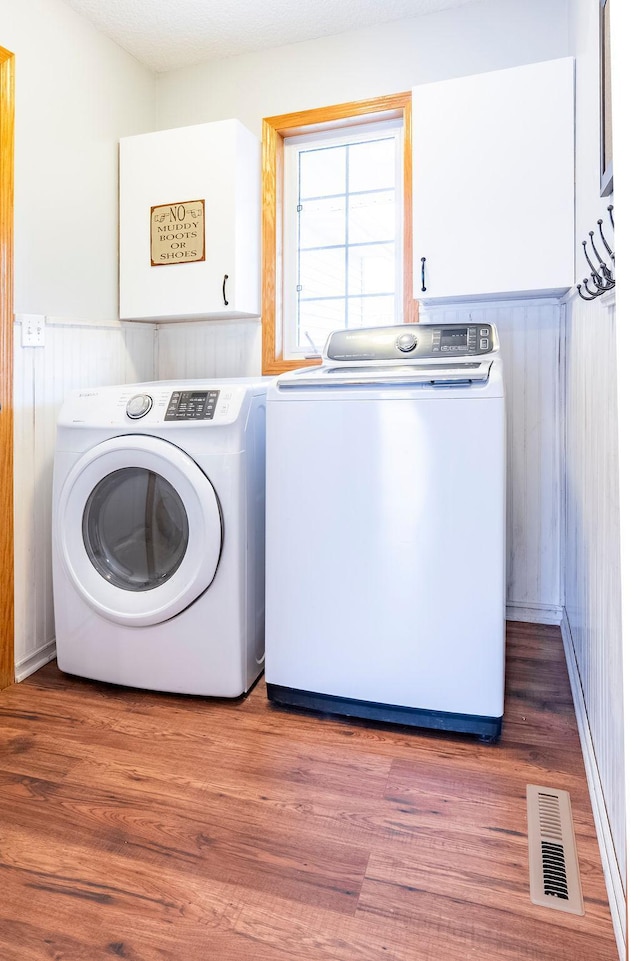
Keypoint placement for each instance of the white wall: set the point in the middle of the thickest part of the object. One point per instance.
(76, 94)
(486, 35)
(592, 628)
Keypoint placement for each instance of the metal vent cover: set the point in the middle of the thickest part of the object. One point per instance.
(554, 877)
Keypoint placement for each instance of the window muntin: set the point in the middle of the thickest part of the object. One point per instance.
(342, 232)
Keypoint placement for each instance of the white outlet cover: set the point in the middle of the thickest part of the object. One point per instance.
(32, 329)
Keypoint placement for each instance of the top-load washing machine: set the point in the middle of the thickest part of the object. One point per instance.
(158, 535)
(385, 538)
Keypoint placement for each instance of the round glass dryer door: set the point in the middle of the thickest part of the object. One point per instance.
(135, 529)
(140, 529)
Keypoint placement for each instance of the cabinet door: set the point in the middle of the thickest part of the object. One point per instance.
(219, 164)
(493, 184)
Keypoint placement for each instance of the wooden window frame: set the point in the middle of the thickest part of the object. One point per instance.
(274, 131)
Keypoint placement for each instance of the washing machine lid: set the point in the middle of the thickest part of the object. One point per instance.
(139, 528)
(396, 375)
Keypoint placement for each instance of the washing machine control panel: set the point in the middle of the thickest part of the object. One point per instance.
(411, 342)
(192, 405)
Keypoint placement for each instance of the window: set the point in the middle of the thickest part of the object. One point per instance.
(342, 225)
(336, 225)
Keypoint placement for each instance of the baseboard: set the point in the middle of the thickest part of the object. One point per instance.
(35, 660)
(534, 613)
(612, 877)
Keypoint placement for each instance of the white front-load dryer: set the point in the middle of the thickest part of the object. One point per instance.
(158, 535)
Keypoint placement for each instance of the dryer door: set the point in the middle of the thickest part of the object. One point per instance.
(139, 529)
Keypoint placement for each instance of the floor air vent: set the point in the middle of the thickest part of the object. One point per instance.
(553, 864)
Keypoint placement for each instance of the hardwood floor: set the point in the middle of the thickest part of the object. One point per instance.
(148, 826)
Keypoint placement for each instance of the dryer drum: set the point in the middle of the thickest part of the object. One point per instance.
(135, 529)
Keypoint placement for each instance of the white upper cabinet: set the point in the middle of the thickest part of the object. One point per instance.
(190, 223)
(493, 184)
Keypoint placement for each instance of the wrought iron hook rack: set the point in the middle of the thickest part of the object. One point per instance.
(602, 275)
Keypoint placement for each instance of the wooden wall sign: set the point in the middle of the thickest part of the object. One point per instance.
(177, 233)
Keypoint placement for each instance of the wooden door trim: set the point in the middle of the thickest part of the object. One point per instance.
(7, 113)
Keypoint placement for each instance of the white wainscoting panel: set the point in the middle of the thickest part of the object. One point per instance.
(214, 349)
(529, 335)
(592, 544)
(74, 355)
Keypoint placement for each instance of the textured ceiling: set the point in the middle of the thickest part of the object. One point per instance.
(167, 34)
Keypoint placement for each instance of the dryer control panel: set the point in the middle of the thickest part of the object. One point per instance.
(192, 405)
(179, 405)
(164, 405)
(408, 342)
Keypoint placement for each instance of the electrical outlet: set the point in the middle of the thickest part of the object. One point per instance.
(32, 330)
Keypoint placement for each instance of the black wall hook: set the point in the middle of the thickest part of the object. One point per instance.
(595, 297)
(602, 275)
(604, 241)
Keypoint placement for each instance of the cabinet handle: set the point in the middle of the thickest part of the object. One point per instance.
(423, 288)
(224, 292)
